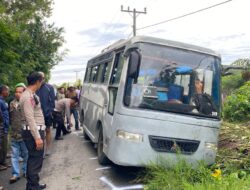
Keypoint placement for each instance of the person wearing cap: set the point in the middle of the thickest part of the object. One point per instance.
(33, 130)
(18, 146)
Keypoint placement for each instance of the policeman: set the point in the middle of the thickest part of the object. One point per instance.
(63, 106)
(33, 130)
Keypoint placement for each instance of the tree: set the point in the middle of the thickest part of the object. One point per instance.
(246, 64)
(27, 41)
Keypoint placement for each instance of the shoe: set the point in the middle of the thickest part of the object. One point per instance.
(58, 138)
(42, 186)
(14, 179)
(78, 129)
(68, 132)
(6, 165)
(2, 167)
(8, 156)
(1, 188)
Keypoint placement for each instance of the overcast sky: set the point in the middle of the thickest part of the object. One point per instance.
(92, 25)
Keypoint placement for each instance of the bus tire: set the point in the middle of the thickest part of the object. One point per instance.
(102, 158)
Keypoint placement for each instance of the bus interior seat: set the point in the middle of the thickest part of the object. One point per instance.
(175, 92)
(185, 99)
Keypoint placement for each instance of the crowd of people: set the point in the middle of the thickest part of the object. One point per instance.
(26, 122)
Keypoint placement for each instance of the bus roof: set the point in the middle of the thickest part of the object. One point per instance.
(152, 40)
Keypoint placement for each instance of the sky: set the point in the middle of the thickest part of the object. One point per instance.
(90, 26)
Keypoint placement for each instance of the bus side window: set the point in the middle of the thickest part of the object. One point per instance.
(87, 75)
(94, 74)
(117, 70)
(100, 73)
(106, 69)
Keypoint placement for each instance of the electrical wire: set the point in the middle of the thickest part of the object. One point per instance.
(185, 15)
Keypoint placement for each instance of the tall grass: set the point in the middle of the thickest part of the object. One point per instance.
(183, 176)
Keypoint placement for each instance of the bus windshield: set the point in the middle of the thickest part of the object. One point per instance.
(175, 80)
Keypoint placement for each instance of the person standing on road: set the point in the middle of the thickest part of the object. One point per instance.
(71, 94)
(60, 93)
(63, 106)
(47, 98)
(18, 146)
(33, 130)
(4, 93)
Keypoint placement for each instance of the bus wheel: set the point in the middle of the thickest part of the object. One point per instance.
(85, 136)
(102, 158)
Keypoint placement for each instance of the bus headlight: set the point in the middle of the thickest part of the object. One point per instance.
(129, 136)
(211, 146)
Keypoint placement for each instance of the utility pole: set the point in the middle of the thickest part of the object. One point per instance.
(76, 75)
(135, 14)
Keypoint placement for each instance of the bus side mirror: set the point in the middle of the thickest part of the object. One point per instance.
(134, 63)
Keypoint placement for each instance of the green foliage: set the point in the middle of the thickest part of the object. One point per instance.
(78, 83)
(27, 41)
(231, 83)
(237, 105)
(183, 176)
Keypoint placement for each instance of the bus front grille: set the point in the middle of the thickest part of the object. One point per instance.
(173, 145)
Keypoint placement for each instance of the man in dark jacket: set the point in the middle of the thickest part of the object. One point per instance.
(47, 98)
(4, 93)
(1, 139)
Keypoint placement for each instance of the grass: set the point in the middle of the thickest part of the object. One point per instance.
(231, 170)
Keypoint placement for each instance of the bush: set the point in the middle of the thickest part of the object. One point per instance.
(231, 83)
(237, 105)
(183, 176)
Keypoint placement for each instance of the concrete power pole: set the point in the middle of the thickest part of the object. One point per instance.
(76, 75)
(135, 14)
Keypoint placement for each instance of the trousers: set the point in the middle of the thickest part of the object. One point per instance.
(3, 149)
(35, 160)
(18, 150)
(58, 118)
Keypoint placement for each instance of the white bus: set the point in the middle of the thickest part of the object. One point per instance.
(146, 98)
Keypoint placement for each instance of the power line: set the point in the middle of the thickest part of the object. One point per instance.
(188, 14)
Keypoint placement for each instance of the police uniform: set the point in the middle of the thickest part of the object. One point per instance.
(33, 128)
(62, 107)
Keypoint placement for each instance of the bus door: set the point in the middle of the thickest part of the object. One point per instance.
(112, 93)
